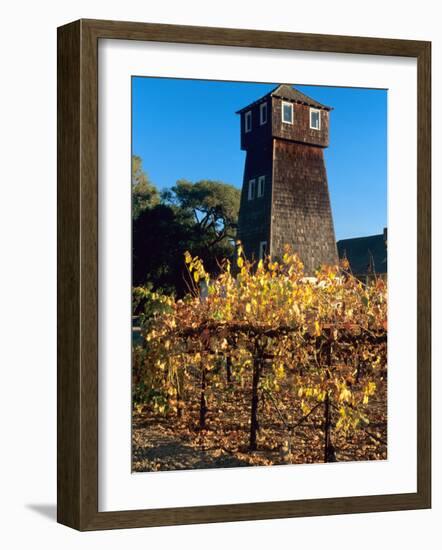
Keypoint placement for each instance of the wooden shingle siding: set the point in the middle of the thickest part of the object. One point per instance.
(300, 129)
(301, 211)
(260, 134)
(254, 215)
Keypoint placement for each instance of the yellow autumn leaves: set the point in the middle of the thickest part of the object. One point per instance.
(271, 306)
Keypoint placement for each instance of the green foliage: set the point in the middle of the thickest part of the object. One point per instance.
(144, 194)
(199, 217)
(214, 205)
(149, 304)
(160, 236)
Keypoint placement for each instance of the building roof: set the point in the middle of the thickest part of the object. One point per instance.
(365, 254)
(285, 91)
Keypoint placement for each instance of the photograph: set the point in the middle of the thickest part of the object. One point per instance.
(259, 274)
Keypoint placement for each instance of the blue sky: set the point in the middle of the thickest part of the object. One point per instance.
(188, 129)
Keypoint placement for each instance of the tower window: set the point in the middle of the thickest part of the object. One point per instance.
(248, 121)
(287, 112)
(263, 113)
(252, 184)
(315, 119)
(262, 250)
(261, 185)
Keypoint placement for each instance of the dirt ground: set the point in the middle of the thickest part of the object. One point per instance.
(177, 443)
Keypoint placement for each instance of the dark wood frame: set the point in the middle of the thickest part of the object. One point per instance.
(78, 269)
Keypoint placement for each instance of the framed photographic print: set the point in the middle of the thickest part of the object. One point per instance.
(244, 275)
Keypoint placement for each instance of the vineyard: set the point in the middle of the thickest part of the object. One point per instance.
(260, 365)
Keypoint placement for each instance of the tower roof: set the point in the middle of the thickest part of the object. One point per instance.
(285, 91)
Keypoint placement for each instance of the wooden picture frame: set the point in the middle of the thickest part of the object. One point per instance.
(78, 274)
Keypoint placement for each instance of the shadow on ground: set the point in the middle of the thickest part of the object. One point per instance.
(48, 511)
(174, 455)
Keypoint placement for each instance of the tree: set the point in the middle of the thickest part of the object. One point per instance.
(144, 194)
(200, 218)
(160, 236)
(214, 206)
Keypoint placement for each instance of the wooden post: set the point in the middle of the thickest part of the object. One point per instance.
(327, 439)
(180, 392)
(254, 426)
(203, 403)
(329, 450)
(229, 370)
(358, 369)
